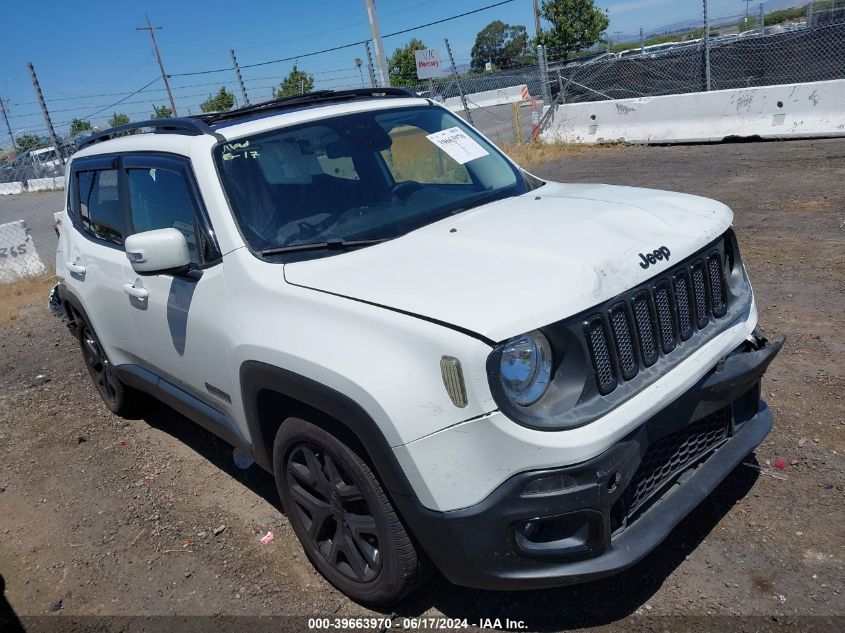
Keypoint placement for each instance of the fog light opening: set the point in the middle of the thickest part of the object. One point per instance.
(576, 533)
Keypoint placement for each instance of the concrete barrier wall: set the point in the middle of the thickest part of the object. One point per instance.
(11, 188)
(33, 184)
(788, 111)
(43, 184)
(487, 98)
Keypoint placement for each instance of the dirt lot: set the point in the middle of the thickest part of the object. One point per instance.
(101, 516)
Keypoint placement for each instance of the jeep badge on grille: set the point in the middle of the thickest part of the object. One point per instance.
(651, 258)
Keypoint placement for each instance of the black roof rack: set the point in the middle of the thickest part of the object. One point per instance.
(311, 98)
(199, 124)
(178, 125)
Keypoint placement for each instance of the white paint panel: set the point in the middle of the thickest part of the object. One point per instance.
(788, 111)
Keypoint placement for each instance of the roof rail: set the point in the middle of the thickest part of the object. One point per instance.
(177, 125)
(199, 124)
(320, 96)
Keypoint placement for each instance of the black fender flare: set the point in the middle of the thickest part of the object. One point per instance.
(257, 377)
(68, 297)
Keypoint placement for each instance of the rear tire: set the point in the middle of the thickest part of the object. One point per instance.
(121, 399)
(342, 516)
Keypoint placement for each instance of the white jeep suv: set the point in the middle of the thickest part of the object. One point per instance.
(444, 361)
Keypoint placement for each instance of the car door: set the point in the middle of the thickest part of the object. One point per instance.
(93, 257)
(181, 322)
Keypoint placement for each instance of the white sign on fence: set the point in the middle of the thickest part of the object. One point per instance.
(428, 63)
(18, 258)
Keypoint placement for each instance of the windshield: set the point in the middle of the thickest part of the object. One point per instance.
(359, 177)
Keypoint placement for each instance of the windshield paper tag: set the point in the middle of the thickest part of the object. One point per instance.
(455, 142)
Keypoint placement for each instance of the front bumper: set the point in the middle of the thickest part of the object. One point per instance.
(602, 516)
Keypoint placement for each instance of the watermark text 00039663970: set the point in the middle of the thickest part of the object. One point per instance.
(418, 623)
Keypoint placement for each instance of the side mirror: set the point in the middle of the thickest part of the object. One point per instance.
(158, 251)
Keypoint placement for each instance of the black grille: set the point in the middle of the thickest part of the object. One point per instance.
(717, 287)
(699, 291)
(671, 455)
(624, 338)
(601, 356)
(655, 319)
(681, 282)
(664, 317)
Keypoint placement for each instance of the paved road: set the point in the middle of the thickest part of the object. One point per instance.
(496, 122)
(37, 210)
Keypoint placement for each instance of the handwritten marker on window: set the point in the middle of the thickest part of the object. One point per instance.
(267, 538)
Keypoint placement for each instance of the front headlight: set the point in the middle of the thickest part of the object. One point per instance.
(525, 368)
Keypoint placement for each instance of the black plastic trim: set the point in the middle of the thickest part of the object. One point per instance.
(257, 378)
(183, 402)
(475, 546)
(173, 125)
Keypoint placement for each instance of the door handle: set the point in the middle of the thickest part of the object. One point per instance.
(138, 293)
(73, 267)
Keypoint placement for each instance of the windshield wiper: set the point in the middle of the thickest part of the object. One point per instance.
(328, 245)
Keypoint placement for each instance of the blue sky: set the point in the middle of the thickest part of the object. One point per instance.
(85, 49)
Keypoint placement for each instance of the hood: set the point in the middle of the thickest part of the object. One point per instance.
(521, 263)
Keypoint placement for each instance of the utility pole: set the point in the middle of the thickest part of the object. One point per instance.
(762, 21)
(642, 41)
(238, 74)
(537, 28)
(370, 65)
(152, 29)
(8, 127)
(53, 137)
(381, 59)
(458, 81)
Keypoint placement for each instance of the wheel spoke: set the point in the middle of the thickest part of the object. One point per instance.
(317, 510)
(359, 525)
(353, 556)
(315, 469)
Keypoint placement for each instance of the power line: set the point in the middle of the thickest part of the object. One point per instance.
(342, 46)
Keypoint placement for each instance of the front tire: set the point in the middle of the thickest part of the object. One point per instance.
(120, 399)
(341, 515)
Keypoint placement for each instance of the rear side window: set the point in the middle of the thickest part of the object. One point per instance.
(162, 199)
(99, 208)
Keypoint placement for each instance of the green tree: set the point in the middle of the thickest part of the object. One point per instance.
(221, 102)
(27, 142)
(296, 83)
(118, 118)
(162, 112)
(502, 44)
(575, 25)
(402, 65)
(78, 126)
(358, 64)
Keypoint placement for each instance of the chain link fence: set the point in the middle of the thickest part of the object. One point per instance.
(798, 53)
(35, 170)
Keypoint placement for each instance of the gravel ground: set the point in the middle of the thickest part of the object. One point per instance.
(102, 517)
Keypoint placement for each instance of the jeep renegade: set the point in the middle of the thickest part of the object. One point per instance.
(444, 361)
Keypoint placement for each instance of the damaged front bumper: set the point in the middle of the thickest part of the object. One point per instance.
(574, 524)
(55, 303)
